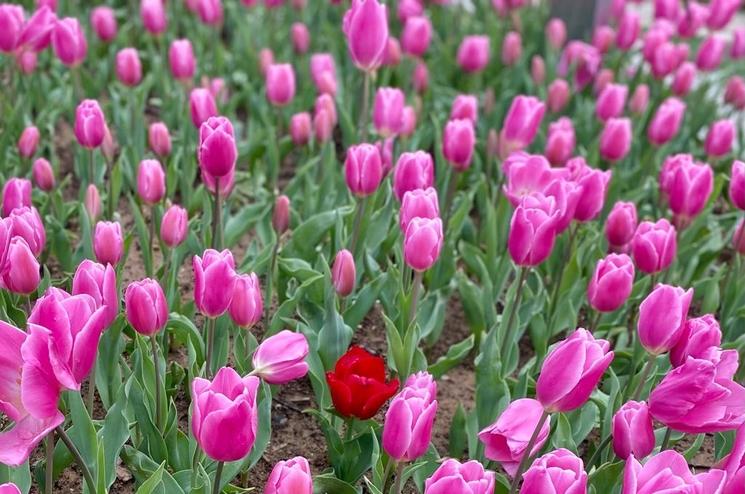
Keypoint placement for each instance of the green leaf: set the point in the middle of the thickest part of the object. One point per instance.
(562, 436)
(454, 356)
(328, 484)
(155, 480)
(605, 478)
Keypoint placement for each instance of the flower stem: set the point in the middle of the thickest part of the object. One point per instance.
(217, 218)
(49, 471)
(526, 457)
(414, 298)
(150, 239)
(364, 117)
(91, 390)
(91, 167)
(509, 330)
(218, 474)
(596, 455)
(269, 283)
(399, 474)
(645, 375)
(210, 346)
(666, 439)
(361, 206)
(158, 412)
(557, 285)
(78, 459)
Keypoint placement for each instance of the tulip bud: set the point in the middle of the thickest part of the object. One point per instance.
(174, 226)
(559, 391)
(68, 42)
(470, 474)
(628, 29)
(128, 68)
(408, 123)
(416, 35)
(343, 273)
(662, 317)
(281, 214)
(621, 225)
(603, 37)
(25, 222)
(633, 433)
(407, 431)
(615, 141)
(611, 283)
(458, 141)
(698, 336)
(323, 126)
(181, 60)
(28, 141)
(153, 16)
(159, 139)
(103, 22)
(146, 307)
(92, 202)
(300, 128)
(324, 102)
(11, 19)
(151, 181)
(89, 124)
(666, 121)
(512, 48)
(558, 95)
(247, 304)
(323, 72)
(392, 52)
(217, 150)
(43, 174)
(720, 137)
(108, 242)
(281, 358)
(280, 84)
(734, 93)
(290, 477)
(710, 53)
(689, 186)
(423, 243)
(366, 29)
(388, 111)
(210, 12)
(108, 146)
(363, 169)
(556, 33)
(640, 99)
(721, 13)
(654, 246)
(420, 78)
(21, 272)
(466, 107)
(737, 184)
(611, 101)
(214, 282)
(16, 194)
(413, 171)
(537, 70)
(533, 230)
(300, 37)
(560, 141)
(26, 61)
(737, 49)
(418, 203)
(202, 106)
(473, 53)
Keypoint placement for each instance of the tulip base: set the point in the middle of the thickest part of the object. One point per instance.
(218, 474)
(156, 364)
(399, 474)
(78, 459)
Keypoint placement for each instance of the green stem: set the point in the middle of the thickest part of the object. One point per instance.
(210, 346)
(595, 322)
(449, 196)
(217, 218)
(269, 283)
(666, 439)
(361, 206)
(414, 298)
(218, 474)
(110, 202)
(49, 471)
(91, 390)
(509, 331)
(150, 240)
(78, 459)
(194, 464)
(364, 117)
(645, 375)
(91, 167)
(526, 456)
(596, 455)
(156, 363)
(399, 474)
(557, 286)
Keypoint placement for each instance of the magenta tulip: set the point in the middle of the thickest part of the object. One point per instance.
(128, 67)
(28, 142)
(153, 16)
(151, 181)
(214, 282)
(26, 222)
(632, 430)
(92, 202)
(323, 72)
(512, 48)
(407, 430)
(558, 95)
(593, 185)
(43, 174)
(521, 123)
(11, 20)
(416, 35)
(159, 139)
(217, 149)
(620, 225)
(68, 42)
(611, 101)
(21, 271)
(99, 282)
(560, 141)
(737, 184)
(89, 124)
(710, 53)
(464, 478)
(666, 121)
(413, 171)
(146, 307)
(584, 59)
(280, 84)
(247, 304)
(103, 21)
(343, 273)
(202, 106)
(668, 470)
(556, 33)
(473, 53)
(720, 138)
(683, 80)
(423, 243)
(654, 246)
(290, 477)
(458, 141)
(418, 203)
(533, 230)
(559, 471)
(37, 32)
(698, 336)
(639, 100)
(538, 70)
(420, 77)
(363, 169)
(281, 214)
(603, 38)
(181, 60)
(16, 194)
(174, 227)
(301, 128)
(662, 318)
(280, 359)
(690, 186)
(734, 93)
(628, 29)
(611, 283)
(388, 111)
(366, 29)
(108, 242)
(615, 141)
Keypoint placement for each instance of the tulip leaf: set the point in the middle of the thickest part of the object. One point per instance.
(155, 481)
(562, 434)
(606, 477)
(454, 356)
(143, 468)
(328, 484)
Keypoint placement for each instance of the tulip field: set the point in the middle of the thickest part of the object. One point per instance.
(372, 246)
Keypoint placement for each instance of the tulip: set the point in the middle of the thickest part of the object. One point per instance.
(11, 20)
(418, 203)
(683, 80)
(366, 29)
(699, 397)
(559, 471)
(413, 171)
(416, 35)
(737, 184)
(325, 102)
(584, 59)
(521, 123)
(420, 77)
(202, 106)
(214, 282)
(533, 229)
(26, 61)
(628, 30)
(28, 141)
(323, 126)
(153, 16)
(128, 68)
(698, 336)
(603, 37)
(721, 12)
(343, 273)
(464, 478)
(290, 477)
(281, 214)
(423, 242)
(537, 70)
(385, 148)
(300, 37)
(692, 20)
(571, 372)
(37, 32)
(103, 21)
(466, 107)
(720, 137)
(108, 242)
(357, 384)
(281, 358)
(526, 174)
(668, 470)
(225, 415)
(217, 150)
(16, 194)
(68, 42)
(89, 124)
(611, 101)
(734, 93)
(615, 141)
(666, 121)
(408, 123)
(159, 139)
(21, 271)
(611, 283)
(146, 307)
(108, 146)
(323, 72)
(280, 84)
(604, 78)
(174, 226)
(25, 222)
(392, 53)
(10, 488)
(388, 111)
(92, 202)
(737, 49)
(560, 141)
(181, 60)
(654, 246)
(662, 317)
(151, 181)
(556, 33)
(458, 141)
(738, 239)
(410, 417)
(640, 99)
(665, 60)
(473, 53)
(300, 128)
(247, 304)
(506, 440)
(593, 185)
(710, 53)
(511, 48)
(620, 225)
(689, 186)
(408, 8)
(363, 169)
(734, 464)
(632, 430)
(210, 12)
(558, 95)
(43, 174)
(98, 282)
(566, 195)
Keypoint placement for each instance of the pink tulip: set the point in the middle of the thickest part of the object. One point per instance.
(153, 16)
(21, 271)
(11, 21)
(280, 84)
(620, 225)
(527, 173)
(665, 60)
(16, 194)
(28, 142)
(300, 37)
(301, 128)
(558, 95)
(366, 29)
(37, 32)
(737, 47)
(593, 184)
(458, 141)
(290, 477)
(710, 53)
(633, 433)
(408, 123)
(615, 141)
(363, 169)
(572, 371)
(698, 336)
(559, 471)
(721, 12)
(684, 78)
(584, 59)
(413, 171)
(662, 317)
(566, 195)
(108, 242)
(214, 282)
(473, 53)
(159, 139)
(734, 464)
(247, 304)
(26, 222)
(611, 283)
(210, 12)
(506, 440)
(202, 106)
(68, 42)
(640, 99)
(108, 146)
(323, 126)
(511, 48)
(560, 141)
(89, 124)
(604, 78)
(611, 101)
(281, 358)
(409, 420)
(225, 418)
(692, 19)
(416, 35)
(43, 174)
(537, 70)
(408, 8)
(392, 53)
(418, 203)
(668, 470)
(103, 21)
(344, 273)
(281, 214)
(146, 307)
(323, 72)
(423, 243)
(737, 184)
(654, 246)
(388, 111)
(92, 202)
(700, 397)
(98, 282)
(325, 102)
(181, 60)
(464, 478)
(217, 150)
(734, 93)
(556, 33)
(533, 230)
(128, 68)
(720, 138)
(666, 121)
(26, 61)
(628, 30)
(174, 227)
(521, 123)
(151, 181)
(420, 77)
(465, 106)
(690, 186)
(603, 38)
